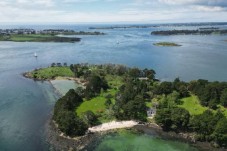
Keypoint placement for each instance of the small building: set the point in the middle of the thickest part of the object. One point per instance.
(151, 112)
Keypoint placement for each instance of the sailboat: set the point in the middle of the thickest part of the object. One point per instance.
(35, 55)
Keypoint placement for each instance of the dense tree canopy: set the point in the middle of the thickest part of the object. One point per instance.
(64, 114)
(173, 118)
(94, 86)
(220, 132)
(89, 118)
(223, 99)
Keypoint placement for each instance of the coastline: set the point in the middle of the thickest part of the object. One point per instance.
(112, 125)
(90, 140)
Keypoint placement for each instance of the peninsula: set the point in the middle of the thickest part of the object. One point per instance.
(116, 96)
(47, 35)
(190, 32)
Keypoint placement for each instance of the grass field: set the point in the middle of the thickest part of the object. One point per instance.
(52, 72)
(97, 104)
(114, 81)
(192, 105)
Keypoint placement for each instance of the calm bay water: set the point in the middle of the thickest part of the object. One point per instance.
(25, 105)
(128, 141)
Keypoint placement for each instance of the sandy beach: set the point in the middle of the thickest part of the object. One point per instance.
(112, 125)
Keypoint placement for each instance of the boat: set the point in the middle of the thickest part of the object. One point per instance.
(35, 55)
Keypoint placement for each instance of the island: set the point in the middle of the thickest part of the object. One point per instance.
(47, 35)
(190, 32)
(37, 38)
(125, 27)
(116, 96)
(167, 44)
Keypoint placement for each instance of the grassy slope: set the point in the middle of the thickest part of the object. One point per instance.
(51, 72)
(192, 105)
(97, 104)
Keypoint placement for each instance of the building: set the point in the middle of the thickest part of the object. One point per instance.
(151, 112)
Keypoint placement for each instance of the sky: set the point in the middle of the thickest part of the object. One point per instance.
(112, 11)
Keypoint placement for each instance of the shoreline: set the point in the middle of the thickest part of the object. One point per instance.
(112, 125)
(77, 80)
(61, 142)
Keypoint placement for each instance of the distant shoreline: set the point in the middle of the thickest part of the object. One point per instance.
(190, 32)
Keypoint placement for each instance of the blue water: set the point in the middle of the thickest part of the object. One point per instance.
(25, 105)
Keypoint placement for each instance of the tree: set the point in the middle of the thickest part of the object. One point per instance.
(163, 118)
(180, 119)
(213, 104)
(89, 118)
(94, 86)
(71, 100)
(135, 109)
(164, 88)
(65, 116)
(220, 132)
(223, 98)
(197, 87)
(204, 124)
(183, 91)
(149, 73)
(71, 125)
(65, 64)
(53, 64)
(108, 103)
(134, 72)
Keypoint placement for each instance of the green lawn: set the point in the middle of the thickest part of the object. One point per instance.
(97, 104)
(192, 105)
(51, 72)
(114, 81)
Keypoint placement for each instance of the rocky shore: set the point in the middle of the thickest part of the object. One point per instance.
(89, 141)
(153, 129)
(62, 143)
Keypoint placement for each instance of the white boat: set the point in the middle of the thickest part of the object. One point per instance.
(35, 55)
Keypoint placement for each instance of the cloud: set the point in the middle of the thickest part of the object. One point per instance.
(148, 11)
(86, 1)
(203, 5)
(210, 8)
(44, 3)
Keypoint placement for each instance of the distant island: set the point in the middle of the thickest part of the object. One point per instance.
(125, 27)
(47, 35)
(190, 32)
(195, 110)
(167, 44)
